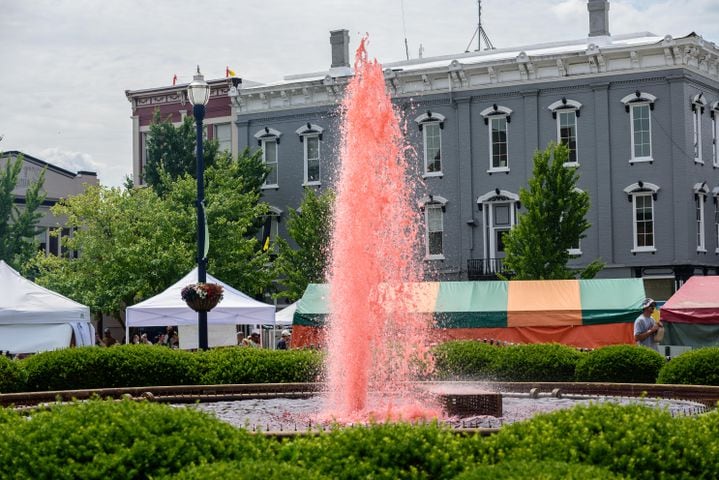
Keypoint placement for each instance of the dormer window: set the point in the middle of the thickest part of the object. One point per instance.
(431, 125)
(640, 105)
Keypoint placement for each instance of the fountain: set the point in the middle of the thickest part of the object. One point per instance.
(377, 343)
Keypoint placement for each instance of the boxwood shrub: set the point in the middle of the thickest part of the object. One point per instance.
(253, 365)
(695, 367)
(12, 375)
(248, 470)
(620, 363)
(120, 366)
(117, 440)
(538, 470)
(465, 360)
(550, 362)
(634, 440)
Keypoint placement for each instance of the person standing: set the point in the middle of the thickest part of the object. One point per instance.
(284, 342)
(645, 327)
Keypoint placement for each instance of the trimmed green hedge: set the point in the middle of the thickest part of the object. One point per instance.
(12, 376)
(251, 365)
(696, 367)
(117, 440)
(621, 364)
(538, 470)
(537, 363)
(108, 439)
(121, 366)
(638, 441)
(465, 360)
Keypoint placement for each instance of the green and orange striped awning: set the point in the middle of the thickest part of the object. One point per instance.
(498, 304)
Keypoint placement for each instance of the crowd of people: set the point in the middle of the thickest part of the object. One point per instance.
(170, 338)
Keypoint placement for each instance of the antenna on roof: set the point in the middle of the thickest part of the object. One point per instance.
(404, 29)
(480, 33)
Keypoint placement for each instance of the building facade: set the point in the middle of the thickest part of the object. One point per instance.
(640, 113)
(59, 183)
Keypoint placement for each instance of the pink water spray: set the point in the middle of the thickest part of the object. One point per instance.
(377, 342)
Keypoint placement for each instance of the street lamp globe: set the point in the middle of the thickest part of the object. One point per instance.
(198, 90)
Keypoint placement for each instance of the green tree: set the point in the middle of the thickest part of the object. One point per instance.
(18, 225)
(232, 196)
(537, 248)
(132, 245)
(172, 150)
(135, 243)
(310, 227)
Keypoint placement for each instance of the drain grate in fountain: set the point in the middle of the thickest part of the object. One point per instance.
(471, 404)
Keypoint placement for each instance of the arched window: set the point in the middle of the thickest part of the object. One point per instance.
(566, 113)
(431, 125)
(497, 119)
(311, 138)
(697, 106)
(640, 105)
(269, 140)
(642, 195)
(434, 207)
(701, 191)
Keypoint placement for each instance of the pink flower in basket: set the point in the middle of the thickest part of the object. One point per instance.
(202, 296)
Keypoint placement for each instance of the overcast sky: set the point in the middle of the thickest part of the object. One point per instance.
(65, 64)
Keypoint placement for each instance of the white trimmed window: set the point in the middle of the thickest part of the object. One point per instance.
(700, 195)
(697, 111)
(640, 105)
(269, 140)
(497, 118)
(434, 207)
(566, 113)
(642, 195)
(499, 215)
(222, 133)
(311, 138)
(431, 125)
(715, 133)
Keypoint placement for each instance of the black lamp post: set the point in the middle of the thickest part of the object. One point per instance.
(199, 94)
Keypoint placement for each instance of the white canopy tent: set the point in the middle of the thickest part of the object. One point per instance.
(284, 317)
(168, 308)
(35, 319)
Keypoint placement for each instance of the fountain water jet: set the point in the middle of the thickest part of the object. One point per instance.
(376, 340)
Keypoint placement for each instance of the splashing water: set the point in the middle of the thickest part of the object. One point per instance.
(376, 339)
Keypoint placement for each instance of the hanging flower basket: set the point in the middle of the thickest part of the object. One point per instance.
(202, 297)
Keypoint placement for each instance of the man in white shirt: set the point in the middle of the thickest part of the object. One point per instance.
(644, 325)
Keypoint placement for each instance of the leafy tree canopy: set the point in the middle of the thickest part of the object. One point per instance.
(172, 150)
(537, 248)
(135, 243)
(18, 224)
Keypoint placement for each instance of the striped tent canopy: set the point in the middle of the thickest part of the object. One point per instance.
(586, 313)
(691, 315)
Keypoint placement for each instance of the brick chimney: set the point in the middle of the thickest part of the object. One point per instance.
(340, 41)
(598, 18)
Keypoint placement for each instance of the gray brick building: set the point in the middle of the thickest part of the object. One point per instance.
(640, 113)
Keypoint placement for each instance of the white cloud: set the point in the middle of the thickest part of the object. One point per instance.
(64, 78)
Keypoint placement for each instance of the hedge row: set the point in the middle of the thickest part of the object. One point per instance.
(143, 365)
(105, 439)
(470, 360)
